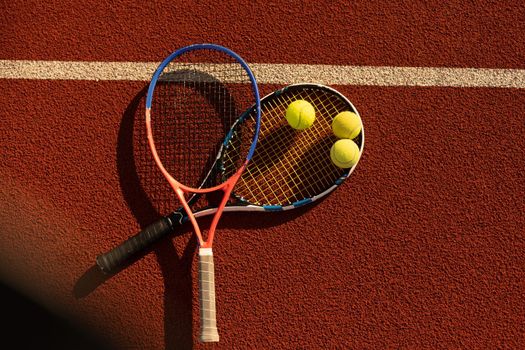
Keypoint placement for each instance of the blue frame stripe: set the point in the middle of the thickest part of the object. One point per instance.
(272, 207)
(302, 202)
(340, 180)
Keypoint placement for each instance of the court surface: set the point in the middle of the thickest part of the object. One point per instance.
(422, 248)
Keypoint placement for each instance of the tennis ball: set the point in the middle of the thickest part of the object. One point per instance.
(344, 153)
(346, 125)
(300, 114)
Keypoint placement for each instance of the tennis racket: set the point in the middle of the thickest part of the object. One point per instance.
(195, 97)
(289, 168)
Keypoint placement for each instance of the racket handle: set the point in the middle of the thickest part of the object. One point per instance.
(119, 256)
(209, 331)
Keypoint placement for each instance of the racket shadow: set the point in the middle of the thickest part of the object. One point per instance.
(132, 156)
(149, 196)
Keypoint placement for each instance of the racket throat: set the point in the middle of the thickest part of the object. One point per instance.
(211, 233)
(187, 209)
(206, 243)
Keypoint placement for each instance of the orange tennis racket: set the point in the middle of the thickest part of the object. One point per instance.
(195, 97)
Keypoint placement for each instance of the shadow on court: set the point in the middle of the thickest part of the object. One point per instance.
(149, 196)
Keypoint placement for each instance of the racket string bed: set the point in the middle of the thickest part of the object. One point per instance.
(276, 175)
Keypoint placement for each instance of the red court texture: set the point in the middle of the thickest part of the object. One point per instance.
(422, 248)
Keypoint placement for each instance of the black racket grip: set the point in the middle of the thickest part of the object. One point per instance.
(124, 253)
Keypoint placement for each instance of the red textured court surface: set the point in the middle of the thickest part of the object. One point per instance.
(423, 247)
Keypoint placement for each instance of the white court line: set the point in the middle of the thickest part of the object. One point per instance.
(277, 74)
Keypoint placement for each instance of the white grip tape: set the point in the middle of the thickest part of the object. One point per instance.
(209, 331)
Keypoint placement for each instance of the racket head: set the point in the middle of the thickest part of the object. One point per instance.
(291, 168)
(194, 98)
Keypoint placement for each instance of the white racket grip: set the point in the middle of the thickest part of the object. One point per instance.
(209, 331)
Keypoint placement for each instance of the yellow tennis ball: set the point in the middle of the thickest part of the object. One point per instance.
(300, 114)
(346, 125)
(344, 153)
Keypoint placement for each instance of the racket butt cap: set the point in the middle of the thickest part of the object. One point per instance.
(209, 335)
